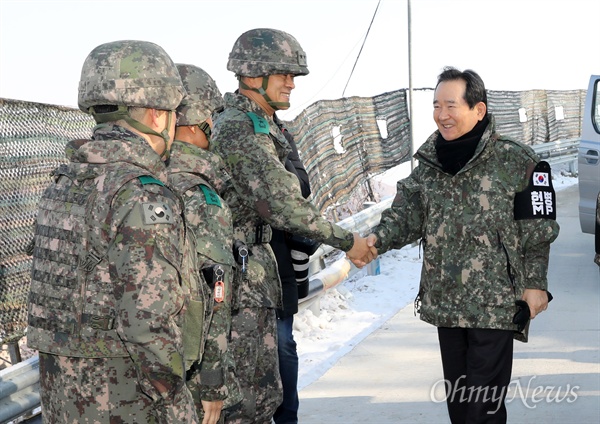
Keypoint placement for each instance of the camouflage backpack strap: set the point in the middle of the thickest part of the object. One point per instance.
(198, 312)
(197, 309)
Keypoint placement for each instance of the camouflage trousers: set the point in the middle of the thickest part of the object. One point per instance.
(254, 349)
(101, 391)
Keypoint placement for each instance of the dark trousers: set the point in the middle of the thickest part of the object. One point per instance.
(287, 413)
(477, 367)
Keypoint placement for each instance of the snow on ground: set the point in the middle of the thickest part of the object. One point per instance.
(358, 306)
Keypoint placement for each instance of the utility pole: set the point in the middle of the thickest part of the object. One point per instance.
(410, 92)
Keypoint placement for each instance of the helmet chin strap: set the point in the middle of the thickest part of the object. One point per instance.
(263, 92)
(122, 113)
(205, 128)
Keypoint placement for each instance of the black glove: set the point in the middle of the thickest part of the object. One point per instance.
(521, 317)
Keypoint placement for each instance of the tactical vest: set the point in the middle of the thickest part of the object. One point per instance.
(198, 313)
(200, 307)
(72, 237)
(219, 248)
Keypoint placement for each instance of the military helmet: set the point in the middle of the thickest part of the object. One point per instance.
(264, 51)
(202, 98)
(130, 73)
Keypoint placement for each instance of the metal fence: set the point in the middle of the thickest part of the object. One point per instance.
(32, 141)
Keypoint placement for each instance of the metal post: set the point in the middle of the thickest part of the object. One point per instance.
(14, 352)
(410, 91)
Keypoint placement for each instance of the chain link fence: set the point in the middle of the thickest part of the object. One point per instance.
(32, 141)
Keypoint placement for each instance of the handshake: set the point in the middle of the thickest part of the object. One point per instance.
(363, 250)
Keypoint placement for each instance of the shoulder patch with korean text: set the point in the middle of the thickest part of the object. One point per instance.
(538, 200)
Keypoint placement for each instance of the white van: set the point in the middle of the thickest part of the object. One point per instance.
(588, 162)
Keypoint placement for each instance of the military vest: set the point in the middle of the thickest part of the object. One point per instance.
(72, 237)
(200, 307)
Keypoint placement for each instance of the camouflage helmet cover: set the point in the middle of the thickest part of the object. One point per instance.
(265, 51)
(202, 98)
(130, 73)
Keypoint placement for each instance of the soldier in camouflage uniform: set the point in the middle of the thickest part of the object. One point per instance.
(199, 176)
(254, 149)
(472, 202)
(107, 299)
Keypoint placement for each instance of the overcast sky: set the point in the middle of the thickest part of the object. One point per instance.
(513, 44)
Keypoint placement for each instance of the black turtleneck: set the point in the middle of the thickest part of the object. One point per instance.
(454, 155)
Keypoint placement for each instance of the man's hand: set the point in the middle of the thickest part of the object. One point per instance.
(212, 411)
(537, 300)
(371, 240)
(362, 252)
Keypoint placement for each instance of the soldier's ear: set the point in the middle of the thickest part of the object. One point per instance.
(152, 116)
(158, 118)
(481, 110)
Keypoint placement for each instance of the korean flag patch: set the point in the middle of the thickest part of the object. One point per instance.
(157, 213)
(538, 200)
(541, 179)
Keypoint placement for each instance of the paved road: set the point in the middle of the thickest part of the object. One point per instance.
(393, 376)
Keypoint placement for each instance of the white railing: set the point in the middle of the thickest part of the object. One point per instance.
(323, 277)
(19, 389)
(559, 152)
(19, 384)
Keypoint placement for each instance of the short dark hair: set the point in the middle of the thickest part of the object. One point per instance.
(475, 91)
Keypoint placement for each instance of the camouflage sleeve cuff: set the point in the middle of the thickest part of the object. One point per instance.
(536, 270)
(211, 385)
(537, 284)
(211, 378)
(379, 241)
(347, 242)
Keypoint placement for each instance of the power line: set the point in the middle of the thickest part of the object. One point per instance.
(361, 48)
(300, 107)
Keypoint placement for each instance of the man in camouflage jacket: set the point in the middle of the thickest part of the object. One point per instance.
(265, 194)
(469, 201)
(199, 176)
(107, 299)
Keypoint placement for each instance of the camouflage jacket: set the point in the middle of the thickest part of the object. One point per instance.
(198, 177)
(469, 235)
(106, 276)
(254, 151)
